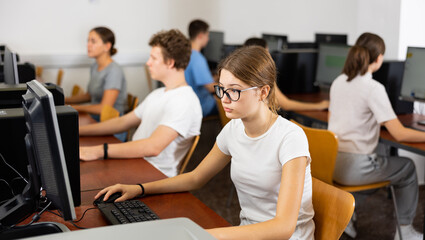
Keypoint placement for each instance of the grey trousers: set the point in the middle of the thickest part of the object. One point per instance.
(358, 169)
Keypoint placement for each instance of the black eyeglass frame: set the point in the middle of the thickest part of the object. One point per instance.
(220, 92)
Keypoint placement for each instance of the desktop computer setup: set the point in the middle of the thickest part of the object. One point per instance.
(13, 73)
(48, 180)
(52, 172)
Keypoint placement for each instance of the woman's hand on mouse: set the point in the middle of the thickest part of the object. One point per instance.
(127, 192)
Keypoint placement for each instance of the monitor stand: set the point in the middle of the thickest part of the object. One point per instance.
(35, 229)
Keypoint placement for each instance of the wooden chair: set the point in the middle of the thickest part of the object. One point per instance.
(189, 154)
(223, 119)
(323, 147)
(333, 209)
(132, 102)
(59, 77)
(39, 71)
(76, 90)
(108, 112)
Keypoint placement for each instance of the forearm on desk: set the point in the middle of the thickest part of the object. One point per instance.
(403, 134)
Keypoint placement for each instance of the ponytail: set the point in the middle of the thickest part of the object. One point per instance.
(357, 62)
(367, 49)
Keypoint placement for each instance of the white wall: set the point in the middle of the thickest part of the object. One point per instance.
(411, 25)
(383, 18)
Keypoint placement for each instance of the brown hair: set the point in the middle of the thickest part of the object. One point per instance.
(174, 45)
(256, 42)
(197, 26)
(254, 66)
(367, 49)
(107, 36)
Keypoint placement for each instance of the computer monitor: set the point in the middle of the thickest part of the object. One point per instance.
(330, 62)
(48, 179)
(390, 74)
(301, 45)
(413, 84)
(275, 42)
(10, 70)
(229, 48)
(213, 52)
(331, 38)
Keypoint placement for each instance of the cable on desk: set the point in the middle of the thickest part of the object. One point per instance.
(59, 214)
(4, 160)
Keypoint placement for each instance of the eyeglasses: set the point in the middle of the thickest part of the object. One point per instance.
(232, 94)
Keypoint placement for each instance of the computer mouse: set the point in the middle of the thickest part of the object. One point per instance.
(111, 198)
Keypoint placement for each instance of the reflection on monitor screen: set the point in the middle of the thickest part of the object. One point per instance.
(413, 85)
(330, 63)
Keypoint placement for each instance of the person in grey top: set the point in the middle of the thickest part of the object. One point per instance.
(107, 84)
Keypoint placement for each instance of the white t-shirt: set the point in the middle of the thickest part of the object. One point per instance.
(357, 108)
(178, 109)
(256, 171)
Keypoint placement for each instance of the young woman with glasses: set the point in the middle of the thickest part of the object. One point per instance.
(270, 161)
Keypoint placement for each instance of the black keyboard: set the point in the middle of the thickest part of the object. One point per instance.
(127, 212)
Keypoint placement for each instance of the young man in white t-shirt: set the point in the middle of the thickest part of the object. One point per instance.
(167, 119)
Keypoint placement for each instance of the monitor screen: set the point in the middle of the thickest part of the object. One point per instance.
(330, 62)
(275, 42)
(46, 145)
(213, 52)
(10, 67)
(413, 84)
(331, 38)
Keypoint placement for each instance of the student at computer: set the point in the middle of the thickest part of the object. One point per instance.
(284, 102)
(197, 73)
(359, 106)
(269, 156)
(107, 85)
(168, 119)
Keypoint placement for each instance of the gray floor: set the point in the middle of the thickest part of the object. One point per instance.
(375, 215)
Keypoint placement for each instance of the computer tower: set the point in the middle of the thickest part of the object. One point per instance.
(391, 76)
(11, 95)
(296, 70)
(12, 148)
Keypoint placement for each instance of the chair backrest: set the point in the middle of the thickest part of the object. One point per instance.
(148, 78)
(59, 77)
(76, 90)
(189, 154)
(323, 147)
(39, 71)
(108, 112)
(223, 119)
(333, 209)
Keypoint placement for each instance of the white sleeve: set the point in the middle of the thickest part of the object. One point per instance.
(380, 105)
(179, 115)
(294, 145)
(222, 138)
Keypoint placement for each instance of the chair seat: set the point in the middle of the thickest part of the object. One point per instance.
(359, 188)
